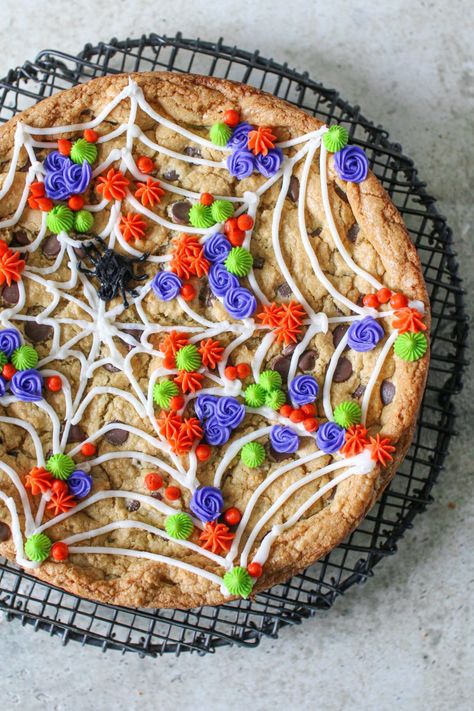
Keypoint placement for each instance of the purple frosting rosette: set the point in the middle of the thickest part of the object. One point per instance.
(3, 387)
(205, 406)
(241, 163)
(303, 389)
(351, 164)
(26, 385)
(207, 503)
(217, 248)
(270, 164)
(364, 335)
(56, 187)
(166, 285)
(220, 280)
(330, 437)
(77, 177)
(80, 484)
(240, 136)
(215, 433)
(10, 340)
(284, 440)
(56, 162)
(229, 412)
(240, 303)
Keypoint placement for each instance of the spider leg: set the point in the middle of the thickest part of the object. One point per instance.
(141, 277)
(124, 296)
(83, 270)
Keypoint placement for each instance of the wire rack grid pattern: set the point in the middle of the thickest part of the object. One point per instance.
(245, 623)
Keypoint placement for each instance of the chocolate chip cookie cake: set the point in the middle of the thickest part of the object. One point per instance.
(213, 339)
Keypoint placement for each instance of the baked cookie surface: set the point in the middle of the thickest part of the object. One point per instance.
(212, 339)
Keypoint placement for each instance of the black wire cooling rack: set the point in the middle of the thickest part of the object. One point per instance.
(245, 623)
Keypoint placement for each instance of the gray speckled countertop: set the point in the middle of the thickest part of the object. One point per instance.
(404, 640)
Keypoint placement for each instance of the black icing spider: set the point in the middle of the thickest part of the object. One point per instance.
(113, 270)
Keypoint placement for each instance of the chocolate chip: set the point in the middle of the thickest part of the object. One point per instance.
(288, 350)
(193, 152)
(11, 294)
(294, 189)
(282, 366)
(316, 232)
(308, 360)
(116, 436)
(135, 333)
(343, 370)
(358, 392)
(4, 532)
(258, 262)
(132, 505)
(76, 434)
(111, 368)
(353, 232)
(80, 252)
(206, 297)
(387, 392)
(20, 239)
(338, 334)
(51, 247)
(341, 193)
(37, 331)
(171, 176)
(277, 456)
(284, 290)
(180, 212)
(157, 495)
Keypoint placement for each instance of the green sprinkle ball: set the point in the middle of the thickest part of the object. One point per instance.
(200, 216)
(270, 380)
(60, 465)
(252, 454)
(220, 133)
(179, 526)
(83, 220)
(238, 582)
(239, 261)
(82, 151)
(38, 546)
(163, 391)
(275, 399)
(347, 413)
(221, 210)
(254, 395)
(60, 219)
(336, 138)
(188, 358)
(3, 359)
(410, 346)
(25, 358)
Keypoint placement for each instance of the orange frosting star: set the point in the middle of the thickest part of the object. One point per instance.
(181, 443)
(293, 314)
(198, 264)
(192, 428)
(408, 320)
(61, 502)
(169, 423)
(211, 352)
(150, 193)
(11, 265)
(189, 382)
(271, 315)
(132, 227)
(356, 440)
(287, 334)
(38, 481)
(113, 186)
(260, 140)
(172, 342)
(380, 449)
(216, 537)
(188, 257)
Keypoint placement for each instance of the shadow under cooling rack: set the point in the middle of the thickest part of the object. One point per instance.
(154, 632)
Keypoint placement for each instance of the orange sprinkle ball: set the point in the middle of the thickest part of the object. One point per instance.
(398, 301)
(371, 301)
(203, 452)
(188, 292)
(245, 222)
(297, 416)
(255, 570)
(64, 146)
(309, 409)
(286, 410)
(37, 189)
(45, 204)
(153, 481)
(231, 117)
(383, 295)
(132, 227)
(76, 202)
(231, 372)
(236, 238)
(310, 424)
(59, 551)
(243, 370)
(177, 403)
(232, 516)
(59, 487)
(172, 493)
(8, 371)
(145, 164)
(90, 135)
(54, 383)
(88, 449)
(229, 225)
(206, 199)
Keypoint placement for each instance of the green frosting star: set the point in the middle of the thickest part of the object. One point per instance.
(275, 399)
(3, 359)
(238, 582)
(252, 454)
(201, 216)
(60, 219)
(239, 261)
(221, 210)
(83, 150)
(220, 133)
(179, 526)
(37, 547)
(347, 413)
(163, 391)
(410, 346)
(188, 358)
(60, 465)
(254, 395)
(336, 138)
(270, 380)
(25, 358)
(83, 220)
